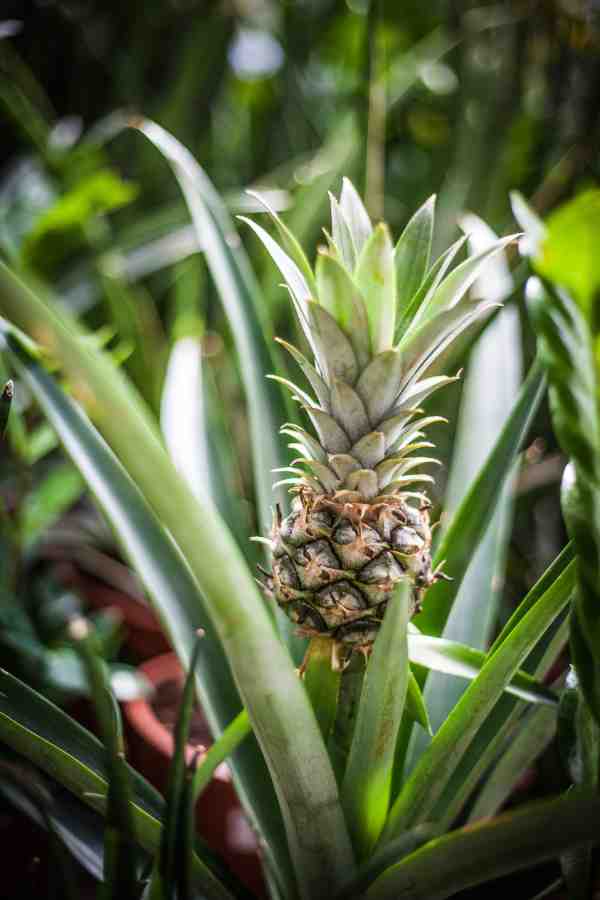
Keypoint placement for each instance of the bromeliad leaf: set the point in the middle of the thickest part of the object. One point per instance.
(343, 243)
(429, 285)
(340, 296)
(468, 524)
(428, 780)
(444, 866)
(49, 738)
(458, 282)
(182, 416)
(356, 216)
(376, 280)
(567, 254)
(415, 704)
(453, 658)
(241, 299)
(411, 256)
(420, 348)
(290, 243)
(567, 338)
(368, 777)
(294, 278)
(332, 348)
(119, 847)
(379, 384)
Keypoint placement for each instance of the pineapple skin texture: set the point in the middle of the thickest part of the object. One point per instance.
(336, 564)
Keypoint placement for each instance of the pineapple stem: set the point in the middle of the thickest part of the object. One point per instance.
(351, 683)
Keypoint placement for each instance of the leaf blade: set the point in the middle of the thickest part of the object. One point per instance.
(367, 780)
(466, 528)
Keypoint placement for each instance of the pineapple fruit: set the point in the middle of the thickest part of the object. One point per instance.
(376, 319)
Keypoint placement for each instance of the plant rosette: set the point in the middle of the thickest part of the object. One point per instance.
(219, 816)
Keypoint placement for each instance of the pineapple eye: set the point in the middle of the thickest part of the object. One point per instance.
(303, 614)
(381, 569)
(291, 529)
(322, 518)
(344, 533)
(317, 552)
(406, 540)
(412, 516)
(284, 572)
(341, 594)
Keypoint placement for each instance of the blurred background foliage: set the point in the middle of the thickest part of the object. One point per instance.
(468, 100)
(464, 99)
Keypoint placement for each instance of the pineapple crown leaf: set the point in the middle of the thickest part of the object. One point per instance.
(377, 318)
(412, 254)
(289, 242)
(361, 279)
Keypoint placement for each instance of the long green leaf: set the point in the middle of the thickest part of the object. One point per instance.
(436, 766)
(536, 731)
(482, 852)
(458, 282)
(48, 737)
(376, 279)
(170, 586)
(543, 584)
(567, 333)
(182, 416)
(168, 857)
(416, 708)
(221, 750)
(468, 524)
(240, 296)
(367, 781)
(242, 302)
(486, 748)
(568, 347)
(277, 704)
(119, 850)
(496, 357)
(453, 658)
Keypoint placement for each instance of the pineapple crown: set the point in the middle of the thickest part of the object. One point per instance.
(377, 318)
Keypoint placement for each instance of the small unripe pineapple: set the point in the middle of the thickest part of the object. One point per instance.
(360, 520)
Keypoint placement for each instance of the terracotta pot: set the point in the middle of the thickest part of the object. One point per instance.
(219, 817)
(145, 638)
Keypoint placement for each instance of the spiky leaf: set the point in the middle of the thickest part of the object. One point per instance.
(376, 279)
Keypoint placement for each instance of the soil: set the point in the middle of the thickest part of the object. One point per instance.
(165, 705)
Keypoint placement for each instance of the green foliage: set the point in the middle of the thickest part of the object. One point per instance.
(468, 523)
(356, 722)
(113, 272)
(566, 329)
(119, 840)
(367, 781)
(568, 252)
(63, 226)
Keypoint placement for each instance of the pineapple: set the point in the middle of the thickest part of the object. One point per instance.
(376, 320)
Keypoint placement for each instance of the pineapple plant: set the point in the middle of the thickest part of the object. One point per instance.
(377, 319)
